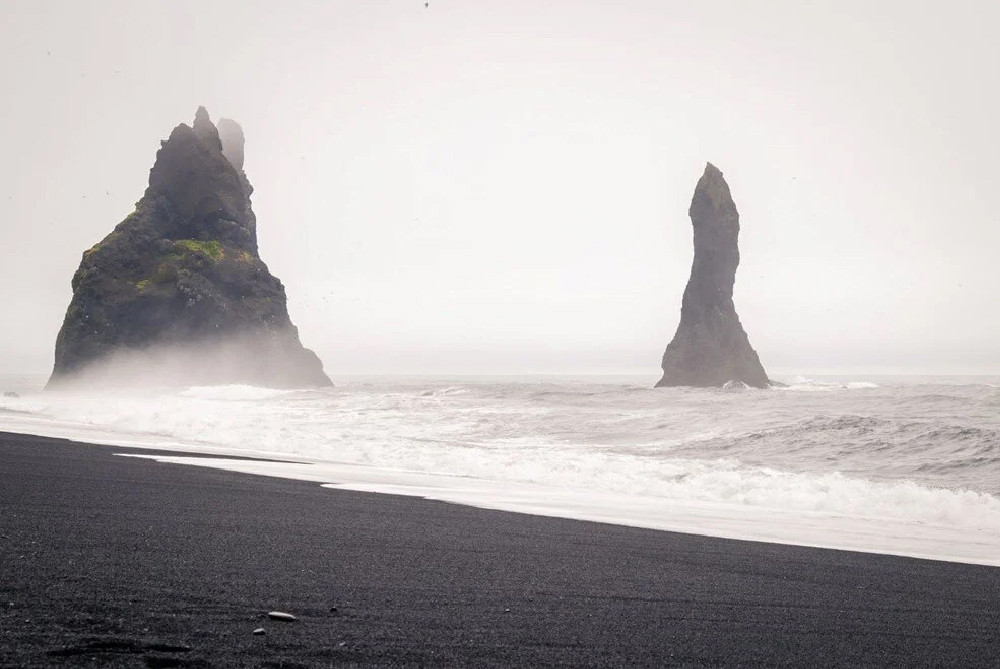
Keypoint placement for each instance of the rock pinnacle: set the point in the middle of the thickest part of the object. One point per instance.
(177, 293)
(710, 346)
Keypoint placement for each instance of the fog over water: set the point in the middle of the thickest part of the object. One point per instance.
(502, 186)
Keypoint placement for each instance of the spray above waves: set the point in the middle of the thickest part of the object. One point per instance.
(233, 359)
(235, 393)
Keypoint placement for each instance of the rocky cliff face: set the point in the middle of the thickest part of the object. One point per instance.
(177, 293)
(710, 346)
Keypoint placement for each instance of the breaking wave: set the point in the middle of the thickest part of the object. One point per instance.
(909, 453)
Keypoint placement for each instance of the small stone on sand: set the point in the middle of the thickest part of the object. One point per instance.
(280, 615)
(260, 630)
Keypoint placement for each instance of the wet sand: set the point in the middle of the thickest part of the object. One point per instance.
(106, 560)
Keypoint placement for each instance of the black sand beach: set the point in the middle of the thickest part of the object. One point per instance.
(107, 560)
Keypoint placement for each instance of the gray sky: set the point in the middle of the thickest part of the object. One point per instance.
(487, 186)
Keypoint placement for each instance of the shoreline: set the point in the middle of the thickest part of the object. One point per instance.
(793, 527)
(123, 558)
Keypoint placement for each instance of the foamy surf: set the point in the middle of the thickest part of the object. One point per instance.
(803, 384)
(902, 468)
(942, 540)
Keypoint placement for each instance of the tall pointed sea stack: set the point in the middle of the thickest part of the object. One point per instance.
(710, 346)
(177, 293)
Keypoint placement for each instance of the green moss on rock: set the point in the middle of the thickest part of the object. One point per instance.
(181, 270)
(211, 248)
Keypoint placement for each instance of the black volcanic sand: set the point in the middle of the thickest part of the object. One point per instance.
(107, 560)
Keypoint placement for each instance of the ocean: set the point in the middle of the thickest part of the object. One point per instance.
(902, 465)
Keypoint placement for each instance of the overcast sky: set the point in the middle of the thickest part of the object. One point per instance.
(490, 186)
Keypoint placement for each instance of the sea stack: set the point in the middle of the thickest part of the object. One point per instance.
(177, 294)
(710, 346)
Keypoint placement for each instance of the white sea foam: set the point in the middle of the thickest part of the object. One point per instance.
(852, 469)
(801, 383)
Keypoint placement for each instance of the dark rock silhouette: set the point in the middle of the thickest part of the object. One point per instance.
(177, 293)
(710, 346)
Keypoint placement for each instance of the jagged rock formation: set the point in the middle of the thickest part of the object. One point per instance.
(177, 293)
(710, 346)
